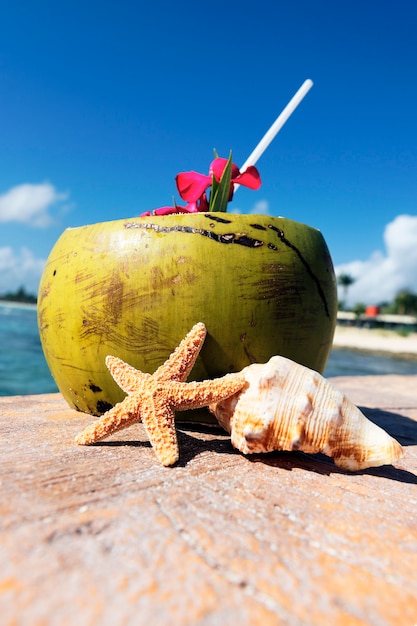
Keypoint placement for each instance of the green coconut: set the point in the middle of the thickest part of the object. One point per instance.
(133, 288)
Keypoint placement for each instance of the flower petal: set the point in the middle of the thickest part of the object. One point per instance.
(249, 178)
(218, 166)
(191, 185)
(166, 210)
(203, 205)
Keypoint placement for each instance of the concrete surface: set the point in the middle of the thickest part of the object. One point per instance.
(105, 535)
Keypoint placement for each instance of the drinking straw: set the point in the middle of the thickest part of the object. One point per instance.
(277, 125)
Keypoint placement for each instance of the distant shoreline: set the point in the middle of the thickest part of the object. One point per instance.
(376, 340)
(13, 304)
(345, 337)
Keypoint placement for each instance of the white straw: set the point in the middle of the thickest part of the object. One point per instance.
(277, 125)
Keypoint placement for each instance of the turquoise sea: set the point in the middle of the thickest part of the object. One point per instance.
(23, 369)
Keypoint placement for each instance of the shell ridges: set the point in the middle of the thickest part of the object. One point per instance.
(286, 406)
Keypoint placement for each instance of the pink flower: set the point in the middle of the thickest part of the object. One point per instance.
(192, 185)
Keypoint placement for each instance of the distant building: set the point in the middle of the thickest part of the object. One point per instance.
(373, 319)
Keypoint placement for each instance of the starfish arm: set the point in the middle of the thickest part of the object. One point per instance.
(119, 417)
(154, 399)
(194, 395)
(158, 420)
(179, 365)
(127, 377)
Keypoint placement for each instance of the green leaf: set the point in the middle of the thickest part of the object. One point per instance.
(214, 183)
(219, 196)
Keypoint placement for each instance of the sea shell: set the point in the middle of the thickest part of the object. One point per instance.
(286, 406)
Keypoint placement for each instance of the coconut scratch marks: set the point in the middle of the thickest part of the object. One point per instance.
(240, 239)
(309, 271)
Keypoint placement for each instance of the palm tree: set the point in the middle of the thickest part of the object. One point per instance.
(405, 303)
(345, 281)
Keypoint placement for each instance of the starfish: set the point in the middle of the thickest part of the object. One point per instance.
(153, 399)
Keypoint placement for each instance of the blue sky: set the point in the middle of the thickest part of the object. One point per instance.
(103, 103)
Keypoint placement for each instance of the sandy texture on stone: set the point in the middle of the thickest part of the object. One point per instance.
(105, 535)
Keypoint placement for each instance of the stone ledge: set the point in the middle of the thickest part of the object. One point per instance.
(105, 535)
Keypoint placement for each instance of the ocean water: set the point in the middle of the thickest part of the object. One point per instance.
(23, 369)
(344, 362)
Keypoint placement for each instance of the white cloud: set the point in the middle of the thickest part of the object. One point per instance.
(30, 204)
(259, 208)
(19, 269)
(383, 274)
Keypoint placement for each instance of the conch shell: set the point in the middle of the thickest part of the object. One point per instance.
(286, 406)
